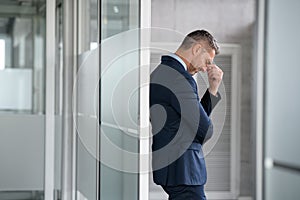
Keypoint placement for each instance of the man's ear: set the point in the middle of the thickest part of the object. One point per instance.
(196, 48)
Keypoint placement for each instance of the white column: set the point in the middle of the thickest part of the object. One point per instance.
(145, 24)
(50, 101)
(259, 101)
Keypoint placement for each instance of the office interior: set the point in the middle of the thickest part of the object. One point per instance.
(74, 97)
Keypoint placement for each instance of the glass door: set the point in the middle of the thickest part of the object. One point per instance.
(87, 100)
(119, 102)
(107, 99)
(281, 120)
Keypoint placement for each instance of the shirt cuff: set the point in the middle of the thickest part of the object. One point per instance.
(214, 99)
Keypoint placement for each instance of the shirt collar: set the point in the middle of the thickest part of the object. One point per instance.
(173, 55)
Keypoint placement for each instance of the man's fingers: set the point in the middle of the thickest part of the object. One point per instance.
(214, 72)
(215, 75)
(211, 66)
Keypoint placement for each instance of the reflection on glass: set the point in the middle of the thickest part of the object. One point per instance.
(118, 16)
(22, 43)
(88, 25)
(93, 24)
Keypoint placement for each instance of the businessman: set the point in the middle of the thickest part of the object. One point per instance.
(180, 120)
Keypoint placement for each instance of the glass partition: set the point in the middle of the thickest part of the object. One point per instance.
(87, 101)
(107, 84)
(22, 102)
(119, 99)
(22, 47)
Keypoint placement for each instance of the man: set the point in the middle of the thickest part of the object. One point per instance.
(180, 121)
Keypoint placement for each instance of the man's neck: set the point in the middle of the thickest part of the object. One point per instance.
(184, 60)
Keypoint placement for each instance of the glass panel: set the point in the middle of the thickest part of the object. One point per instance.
(88, 25)
(87, 125)
(118, 16)
(22, 107)
(22, 44)
(282, 101)
(119, 99)
(87, 81)
(22, 156)
(282, 104)
(281, 184)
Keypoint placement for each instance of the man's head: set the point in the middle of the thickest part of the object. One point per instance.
(199, 49)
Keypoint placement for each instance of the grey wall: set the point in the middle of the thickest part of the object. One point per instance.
(230, 21)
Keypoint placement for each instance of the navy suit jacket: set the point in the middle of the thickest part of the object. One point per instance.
(180, 125)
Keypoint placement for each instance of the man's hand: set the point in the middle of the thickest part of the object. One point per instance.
(215, 75)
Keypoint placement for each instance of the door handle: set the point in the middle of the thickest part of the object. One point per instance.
(271, 163)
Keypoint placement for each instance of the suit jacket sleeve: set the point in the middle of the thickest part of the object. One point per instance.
(192, 111)
(209, 101)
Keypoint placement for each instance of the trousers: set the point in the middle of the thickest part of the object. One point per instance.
(185, 192)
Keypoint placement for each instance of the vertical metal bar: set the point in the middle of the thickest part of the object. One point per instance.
(98, 167)
(74, 100)
(67, 172)
(50, 101)
(59, 59)
(260, 98)
(83, 26)
(145, 24)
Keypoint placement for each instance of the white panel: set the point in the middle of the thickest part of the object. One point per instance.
(16, 89)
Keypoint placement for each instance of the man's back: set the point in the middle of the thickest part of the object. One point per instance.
(177, 150)
(180, 123)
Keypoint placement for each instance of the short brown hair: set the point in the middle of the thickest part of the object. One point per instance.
(200, 35)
